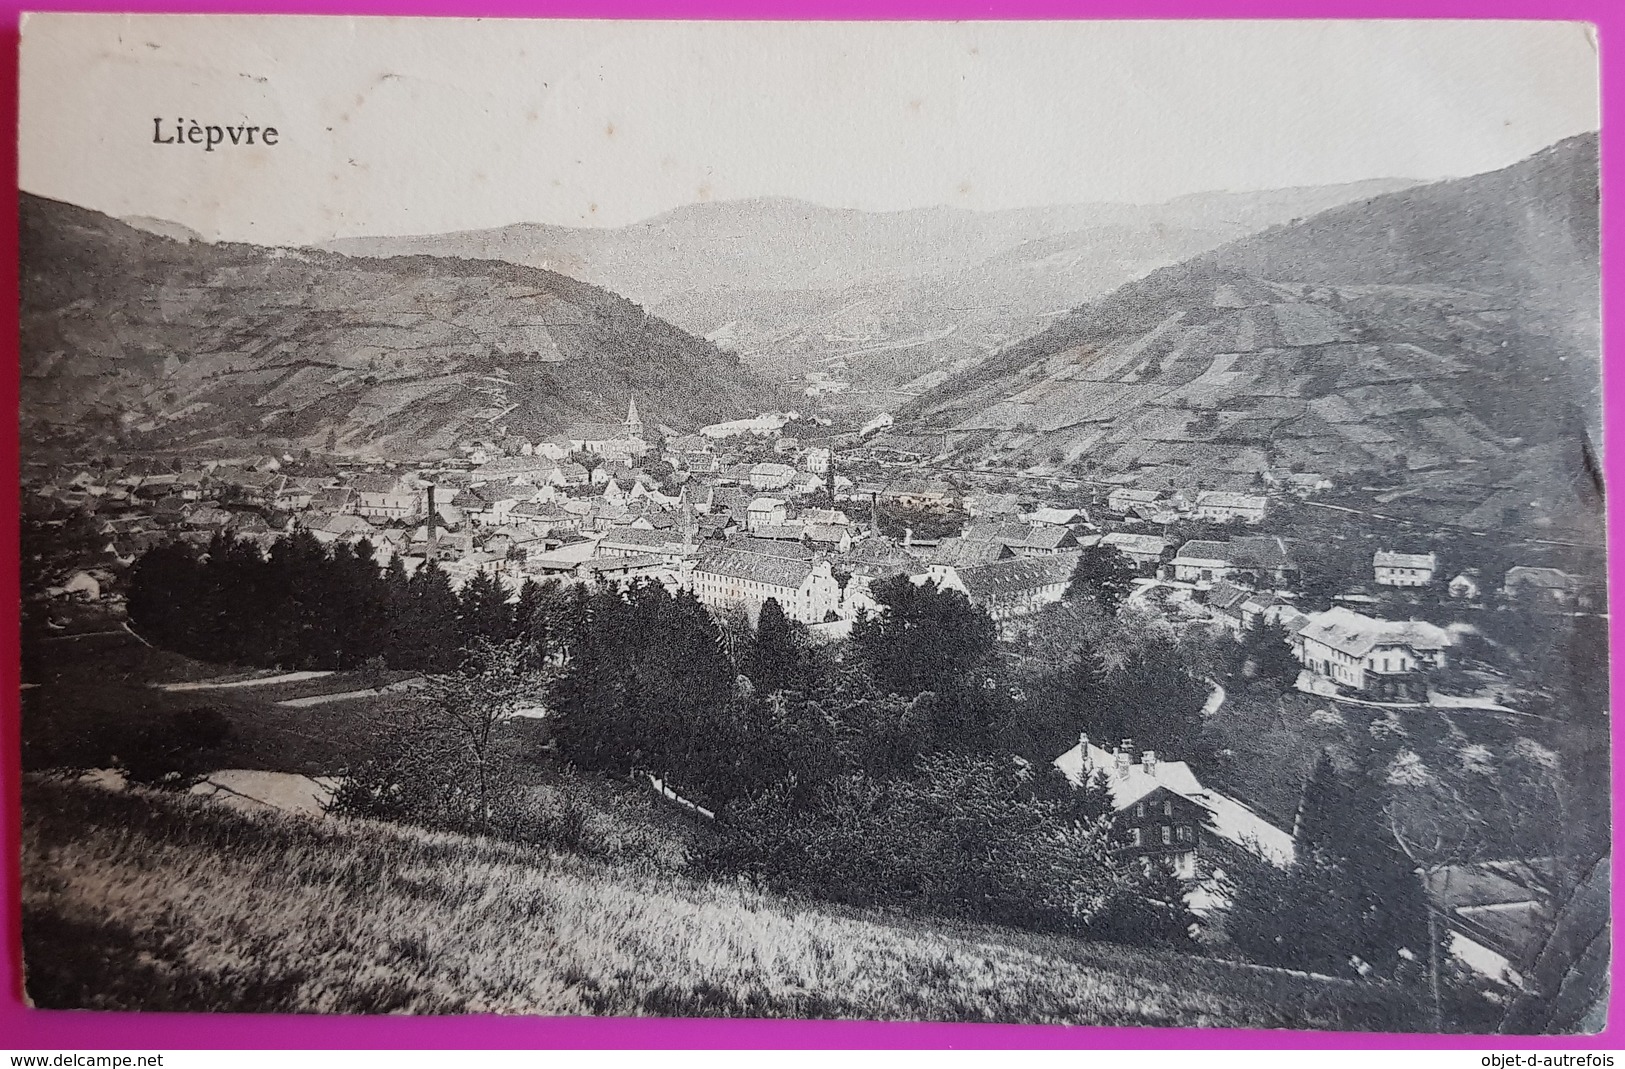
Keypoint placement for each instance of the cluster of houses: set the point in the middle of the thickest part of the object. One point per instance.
(600, 503)
(615, 502)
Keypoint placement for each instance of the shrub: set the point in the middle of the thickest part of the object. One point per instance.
(177, 751)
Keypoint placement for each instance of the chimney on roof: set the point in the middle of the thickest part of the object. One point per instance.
(1148, 761)
(1083, 749)
(1123, 759)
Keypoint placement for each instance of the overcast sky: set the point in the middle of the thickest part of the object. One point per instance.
(414, 126)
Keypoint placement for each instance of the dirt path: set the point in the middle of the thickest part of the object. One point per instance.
(346, 695)
(257, 681)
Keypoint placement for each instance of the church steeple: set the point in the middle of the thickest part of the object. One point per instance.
(634, 425)
(688, 525)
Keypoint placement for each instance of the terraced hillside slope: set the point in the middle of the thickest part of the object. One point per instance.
(1448, 331)
(175, 344)
(894, 301)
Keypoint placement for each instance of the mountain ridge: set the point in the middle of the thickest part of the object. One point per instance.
(186, 344)
(783, 282)
(1449, 330)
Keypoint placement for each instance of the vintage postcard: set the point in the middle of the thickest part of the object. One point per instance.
(1091, 523)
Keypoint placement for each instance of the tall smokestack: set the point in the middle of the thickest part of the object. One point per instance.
(431, 536)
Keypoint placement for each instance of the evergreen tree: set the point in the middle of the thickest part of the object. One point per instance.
(774, 653)
(1063, 703)
(642, 685)
(937, 648)
(1104, 574)
(483, 611)
(165, 590)
(429, 636)
(1265, 657)
(395, 597)
(1147, 909)
(1350, 893)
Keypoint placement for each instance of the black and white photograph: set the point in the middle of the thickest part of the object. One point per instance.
(1092, 523)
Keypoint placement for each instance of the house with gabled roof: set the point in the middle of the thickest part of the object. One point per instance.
(387, 497)
(1404, 569)
(1549, 585)
(1383, 659)
(806, 590)
(1221, 506)
(1163, 812)
(1015, 586)
(1144, 550)
(1204, 562)
(1123, 499)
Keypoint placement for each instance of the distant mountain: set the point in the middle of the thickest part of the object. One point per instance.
(1449, 330)
(897, 298)
(177, 344)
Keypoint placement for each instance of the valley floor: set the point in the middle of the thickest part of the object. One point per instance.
(134, 900)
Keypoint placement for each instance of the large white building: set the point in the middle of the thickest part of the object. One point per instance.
(1014, 586)
(806, 590)
(1385, 659)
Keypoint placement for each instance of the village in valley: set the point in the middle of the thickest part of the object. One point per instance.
(809, 547)
(797, 511)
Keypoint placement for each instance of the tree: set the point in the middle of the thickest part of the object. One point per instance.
(924, 638)
(483, 611)
(1474, 805)
(934, 646)
(428, 636)
(642, 685)
(774, 654)
(1148, 908)
(1350, 900)
(1265, 657)
(1104, 574)
(1061, 704)
(447, 764)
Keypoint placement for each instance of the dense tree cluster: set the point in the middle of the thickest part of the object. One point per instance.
(979, 837)
(883, 770)
(307, 606)
(1350, 901)
(1104, 574)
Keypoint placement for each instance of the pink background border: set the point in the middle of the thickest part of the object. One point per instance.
(24, 1028)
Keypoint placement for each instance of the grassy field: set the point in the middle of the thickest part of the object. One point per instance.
(140, 901)
(89, 692)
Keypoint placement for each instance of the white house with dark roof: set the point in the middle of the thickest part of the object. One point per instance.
(806, 590)
(770, 475)
(766, 512)
(1221, 506)
(1204, 562)
(1143, 549)
(387, 497)
(1014, 586)
(1404, 569)
(1124, 499)
(1385, 659)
